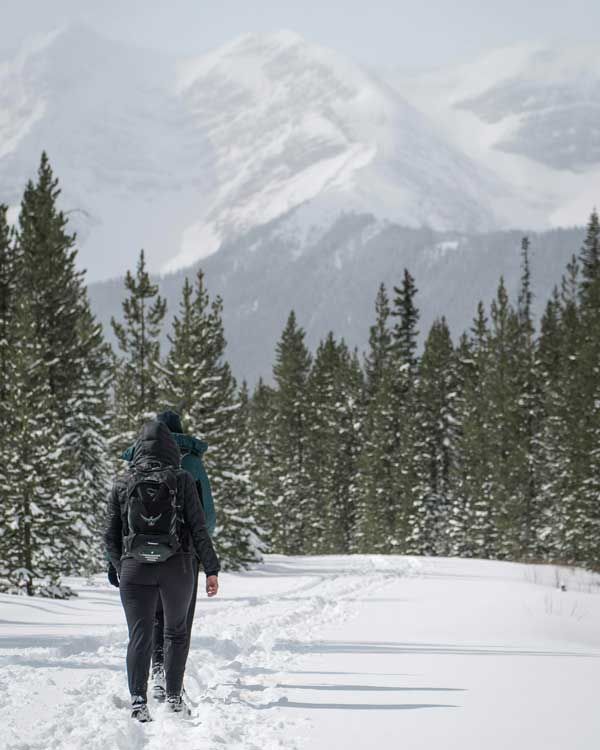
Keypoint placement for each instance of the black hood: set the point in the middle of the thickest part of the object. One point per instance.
(171, 419)
(156, 442)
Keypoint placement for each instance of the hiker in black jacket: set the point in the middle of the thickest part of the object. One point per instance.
(149, 564)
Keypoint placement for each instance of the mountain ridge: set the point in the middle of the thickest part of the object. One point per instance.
(331, 284)
(181, 156)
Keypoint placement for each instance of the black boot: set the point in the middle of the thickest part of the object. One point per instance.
(139, 709)
(158, 683)
(177, 705)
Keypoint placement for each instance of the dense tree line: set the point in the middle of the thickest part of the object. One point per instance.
(487, 446)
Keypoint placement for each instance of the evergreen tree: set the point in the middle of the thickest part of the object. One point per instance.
(46, 520)
(197, 381)
(46, 273)
(333, 430)
(238, 532)
(37, 523)
(387, 465)
(7, 362)
(7, 302)
(86, 442)
(565, 437)
(589, 261)
(408, 427)
(551, 526)
(262, 459)
(476, 450)
(405, 330)
(291, 511)
(588, 405)
(459, 510)
(380, 342)
(529, 416)
(504, 424)
(436, 439)
(138, 369)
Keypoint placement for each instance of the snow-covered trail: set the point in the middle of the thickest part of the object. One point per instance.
(325, 652)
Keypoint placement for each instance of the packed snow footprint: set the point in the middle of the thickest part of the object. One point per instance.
(80, 698)
(301, 652)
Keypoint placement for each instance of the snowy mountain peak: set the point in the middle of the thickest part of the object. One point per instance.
(183, 156)
(530, 113)
(295, 126)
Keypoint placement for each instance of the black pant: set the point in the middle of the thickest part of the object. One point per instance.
(140, 586)
(158, 637)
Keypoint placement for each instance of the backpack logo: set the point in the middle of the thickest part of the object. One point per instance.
(151, 520)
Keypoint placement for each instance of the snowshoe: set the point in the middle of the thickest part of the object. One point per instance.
(177, 705)
(139, 709)
(159, 692)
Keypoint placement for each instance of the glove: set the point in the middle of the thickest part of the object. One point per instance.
(112, 575)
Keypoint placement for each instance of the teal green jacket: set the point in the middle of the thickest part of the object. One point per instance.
(191, 460)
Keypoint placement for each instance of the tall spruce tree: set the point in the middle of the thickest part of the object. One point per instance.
(262, 458)
(47, 524)
(436, 392)
(333, 445)
(552, 522)
(137, 373)
(7, 363)
(405, 372)
(476, 450)
(405, 331)
(588, 405)
(529, 467)
(86, 442)
(291, 510)
(504, 426)
(47, 253)
(380, 343)
(459, 512)
(387, 463)
(197, 381)
(7, 302)
(570, 448)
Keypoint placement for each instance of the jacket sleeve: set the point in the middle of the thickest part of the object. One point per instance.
(113, 534)
(193, 516)
(207, 498)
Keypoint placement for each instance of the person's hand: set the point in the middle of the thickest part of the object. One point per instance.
(212, 585)
(112, 575)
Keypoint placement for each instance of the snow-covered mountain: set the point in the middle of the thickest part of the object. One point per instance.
(131, 164)
(530, 112)
(292, 124)
(182, 156)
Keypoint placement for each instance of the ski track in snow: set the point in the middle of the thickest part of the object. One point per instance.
(72, 693)
(413, 652)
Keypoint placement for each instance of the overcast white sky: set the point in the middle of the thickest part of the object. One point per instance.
(406, 33)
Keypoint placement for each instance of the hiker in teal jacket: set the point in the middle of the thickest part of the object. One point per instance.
(192, 450)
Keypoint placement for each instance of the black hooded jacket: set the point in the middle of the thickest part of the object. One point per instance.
(156, 443)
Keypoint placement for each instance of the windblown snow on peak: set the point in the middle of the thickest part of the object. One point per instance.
(529, 112)
(181, 156)
(292, 123)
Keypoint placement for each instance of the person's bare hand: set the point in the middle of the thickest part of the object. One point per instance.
(212, 585)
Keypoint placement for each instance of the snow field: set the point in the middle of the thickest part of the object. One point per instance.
(324, 652)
